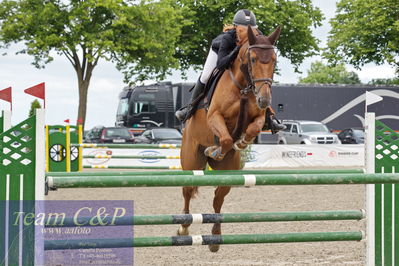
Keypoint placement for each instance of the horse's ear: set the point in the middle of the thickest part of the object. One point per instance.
(274, 36)
(251, 35)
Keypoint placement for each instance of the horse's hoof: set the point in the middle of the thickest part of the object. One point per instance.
(214, 248)
(182, 231)
(239, 146)
(214, 152)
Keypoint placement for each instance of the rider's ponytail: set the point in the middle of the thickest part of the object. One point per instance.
(228, 27)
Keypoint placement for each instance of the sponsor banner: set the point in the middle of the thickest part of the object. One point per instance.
(260, 156)
(294, 156)
(131, 162)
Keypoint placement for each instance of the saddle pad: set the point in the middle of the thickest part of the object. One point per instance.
(210, 89)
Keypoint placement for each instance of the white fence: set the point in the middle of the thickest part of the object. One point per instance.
(260, 156)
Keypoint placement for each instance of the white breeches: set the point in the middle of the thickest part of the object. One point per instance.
(210, 65)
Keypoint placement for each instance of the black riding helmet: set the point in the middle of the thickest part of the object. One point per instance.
(244, 17)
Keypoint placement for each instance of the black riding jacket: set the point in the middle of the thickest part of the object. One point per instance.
(225, 45)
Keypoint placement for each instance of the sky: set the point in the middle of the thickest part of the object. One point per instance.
(107, 82)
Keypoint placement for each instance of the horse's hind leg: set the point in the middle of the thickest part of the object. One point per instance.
(192, 158)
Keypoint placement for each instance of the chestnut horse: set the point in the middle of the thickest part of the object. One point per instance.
(249, 78)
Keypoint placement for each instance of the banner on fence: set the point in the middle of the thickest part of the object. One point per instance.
(260, 156)
(295, 156)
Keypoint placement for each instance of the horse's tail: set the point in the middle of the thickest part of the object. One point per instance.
(242, 119)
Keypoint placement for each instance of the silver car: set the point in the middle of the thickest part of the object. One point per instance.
(306, 132)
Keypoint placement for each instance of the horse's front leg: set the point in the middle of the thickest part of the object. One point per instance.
(218, 126)
(220, 193)
(251, 133)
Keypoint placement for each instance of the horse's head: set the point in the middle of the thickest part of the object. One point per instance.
(258, 60)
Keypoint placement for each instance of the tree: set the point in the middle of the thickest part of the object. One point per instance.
(297, 17)
(324, 74)
(393, 81)
(34, 105)
(139, 36)
(365, 31)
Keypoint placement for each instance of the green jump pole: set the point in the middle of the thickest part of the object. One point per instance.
(208, 218)
(131, 167)
(219, 180)
(213, 172)
(100, 156)
(202, 240)
(125, 146)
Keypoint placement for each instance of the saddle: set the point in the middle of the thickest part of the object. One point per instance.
(203, 101)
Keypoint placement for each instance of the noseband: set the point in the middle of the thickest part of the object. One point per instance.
(246, 69)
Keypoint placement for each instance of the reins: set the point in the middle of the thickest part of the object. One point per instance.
(246, 69)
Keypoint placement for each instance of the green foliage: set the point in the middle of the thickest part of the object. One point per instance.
(146, 38)
(365, 31)
(139, 36)
(34, 105)
(324, 74)
(394, 81)
(297, 17)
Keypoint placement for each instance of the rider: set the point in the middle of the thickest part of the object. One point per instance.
(223, 52)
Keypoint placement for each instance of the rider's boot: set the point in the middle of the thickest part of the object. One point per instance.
(272, 123)
(182, 112)
(277, 126)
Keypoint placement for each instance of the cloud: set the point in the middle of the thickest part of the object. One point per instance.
(371, 71)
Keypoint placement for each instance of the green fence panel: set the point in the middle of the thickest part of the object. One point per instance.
(386, 197)
(18, 191)
(56, 145)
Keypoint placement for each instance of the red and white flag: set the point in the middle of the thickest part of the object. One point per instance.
(38, 91)
(6, 95)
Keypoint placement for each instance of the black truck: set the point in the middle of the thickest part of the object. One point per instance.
(152, 105)
(337, 106)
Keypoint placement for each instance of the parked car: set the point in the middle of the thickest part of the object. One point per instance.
(116, 135)
(93, 135)
(160, 135)
(102, 134)
(352, 136)
(306, 132)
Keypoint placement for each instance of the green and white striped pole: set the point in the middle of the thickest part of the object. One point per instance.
(218, 172)
(203, 240)
(206, 218)
(218, 180)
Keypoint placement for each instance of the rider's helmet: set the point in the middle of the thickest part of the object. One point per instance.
(244, 17)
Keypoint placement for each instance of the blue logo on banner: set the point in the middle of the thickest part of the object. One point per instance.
(150, 153)
(252, 156)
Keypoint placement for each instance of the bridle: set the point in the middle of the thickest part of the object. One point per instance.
(246, 69)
